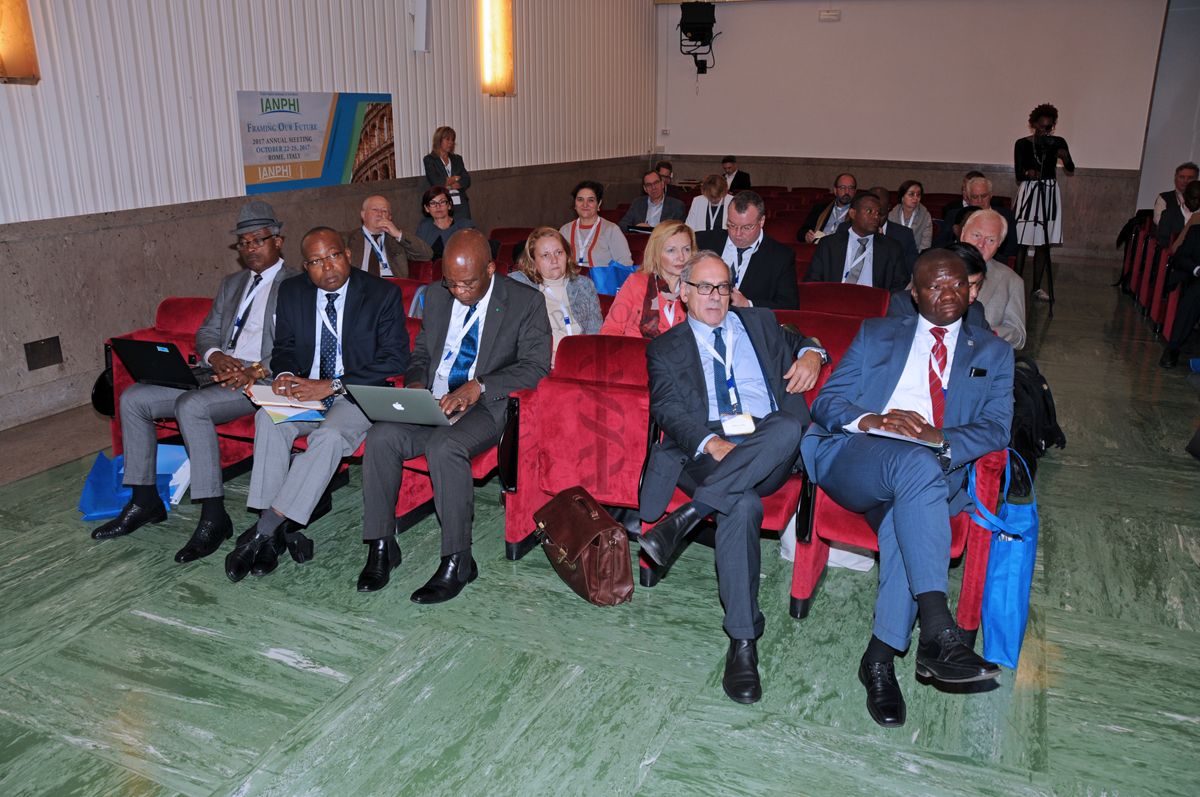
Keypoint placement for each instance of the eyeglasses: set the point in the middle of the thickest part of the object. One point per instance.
(465, 285)
(651, 184)
(252, 243)
(744, 227)
(318, 262)
(706, 289)
(845, 187)
(438, 203)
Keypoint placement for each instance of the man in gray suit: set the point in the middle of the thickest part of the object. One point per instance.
(731, 436)
(483, 337)
(235, 340)
(653, 207)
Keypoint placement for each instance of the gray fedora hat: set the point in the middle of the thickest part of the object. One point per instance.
(255, 215)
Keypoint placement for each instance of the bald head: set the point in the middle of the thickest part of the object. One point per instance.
(467, 266)
(375, 211)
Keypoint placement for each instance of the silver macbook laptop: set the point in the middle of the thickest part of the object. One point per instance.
(400, 405)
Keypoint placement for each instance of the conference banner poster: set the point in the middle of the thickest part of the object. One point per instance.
(305, 139)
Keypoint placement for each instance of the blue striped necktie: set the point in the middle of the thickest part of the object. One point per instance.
(467, 349)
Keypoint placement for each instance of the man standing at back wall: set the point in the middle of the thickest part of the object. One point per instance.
(235, 340)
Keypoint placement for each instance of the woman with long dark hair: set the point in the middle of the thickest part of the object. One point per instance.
(1039, 202)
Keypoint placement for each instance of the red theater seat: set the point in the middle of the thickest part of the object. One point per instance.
(860, 301)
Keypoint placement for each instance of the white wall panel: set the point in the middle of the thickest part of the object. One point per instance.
(136, 106)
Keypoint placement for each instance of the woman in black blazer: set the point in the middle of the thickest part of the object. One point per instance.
(443, 167)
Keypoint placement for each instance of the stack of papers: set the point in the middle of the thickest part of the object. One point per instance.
(282, 409)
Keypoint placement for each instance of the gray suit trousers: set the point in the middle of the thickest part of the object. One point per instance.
(197, 412)
(292, 487)
(449, 450)
(756, 467)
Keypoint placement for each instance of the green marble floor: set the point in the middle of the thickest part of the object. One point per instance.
(123, 673)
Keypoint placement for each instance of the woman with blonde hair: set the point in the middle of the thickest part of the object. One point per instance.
(648, 303)
(708, 210)
(444, 167)
(571, 301)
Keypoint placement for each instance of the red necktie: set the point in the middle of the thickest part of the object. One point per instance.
(937, 393)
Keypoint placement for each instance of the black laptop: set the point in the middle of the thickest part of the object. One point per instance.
(157, 363)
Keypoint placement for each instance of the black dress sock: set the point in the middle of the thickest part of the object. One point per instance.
(268, 522)
(879, 652)
(212, 509)
(146, 495)
(934, 614)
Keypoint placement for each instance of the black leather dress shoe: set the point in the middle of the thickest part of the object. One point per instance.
(945, 658)
(267, 558)
(740, 681)
(455, 572)
(661, 542)
(132, 518)
(206, 539)
(885, 703)
(239, 561)
(1170, 358)
(383, 556)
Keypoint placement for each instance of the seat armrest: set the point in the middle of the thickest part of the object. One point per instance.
(507, 449)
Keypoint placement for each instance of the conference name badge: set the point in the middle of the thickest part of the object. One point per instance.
(740, 424)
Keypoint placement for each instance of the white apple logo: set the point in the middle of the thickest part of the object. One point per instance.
(398, 406)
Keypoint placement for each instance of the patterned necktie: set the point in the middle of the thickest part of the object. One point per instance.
(740, 251)
(240, 323)
(721, 376)
(937, 392)
(467, 349)
(329, 345)
(856, 267)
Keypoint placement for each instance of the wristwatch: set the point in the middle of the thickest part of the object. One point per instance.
(943, 454)
(337, 387)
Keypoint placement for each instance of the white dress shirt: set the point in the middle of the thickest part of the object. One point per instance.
(912, 391)
(454, 336)
(314, 371)
(249, 343)
(729, 255)
(867, 275)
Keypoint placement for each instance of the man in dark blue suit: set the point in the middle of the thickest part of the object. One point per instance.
(334, 325)
(947, 386)
(731, 436)
(897, 232)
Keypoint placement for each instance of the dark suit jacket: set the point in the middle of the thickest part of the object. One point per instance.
(740, 182)
(1007, 249)
(514, 353)
(374, 338)
(979, 402)
(410, 247)
(815, 220)
(679, 397)
(1185, 260)
(951, 209)
(1170, 224)
(901, 306)
(672, 209)
(888, 269)
(217, 328)
(770, 279)
(901, 235)
(435, 174)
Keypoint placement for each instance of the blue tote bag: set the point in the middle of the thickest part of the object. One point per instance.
(1011, 558)
(610, 278)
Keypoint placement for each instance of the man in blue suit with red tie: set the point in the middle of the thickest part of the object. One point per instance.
(947, 386)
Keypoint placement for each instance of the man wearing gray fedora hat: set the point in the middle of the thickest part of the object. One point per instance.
(235, 340)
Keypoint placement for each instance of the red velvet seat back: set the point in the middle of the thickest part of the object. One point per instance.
(836, 333)
(606, 359)
(861, 301)
(782, 229)
(181, 315)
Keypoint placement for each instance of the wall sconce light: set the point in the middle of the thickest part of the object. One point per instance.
(496, 47)
(18, 55)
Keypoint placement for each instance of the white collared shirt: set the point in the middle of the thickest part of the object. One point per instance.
(249, 343)
(729, 255)
(385, 267)
(314, 371)
(912, 391)
(654, 212)
(454, 336)
(867, 275)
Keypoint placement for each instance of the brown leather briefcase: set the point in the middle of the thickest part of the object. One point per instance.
(586, 547)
